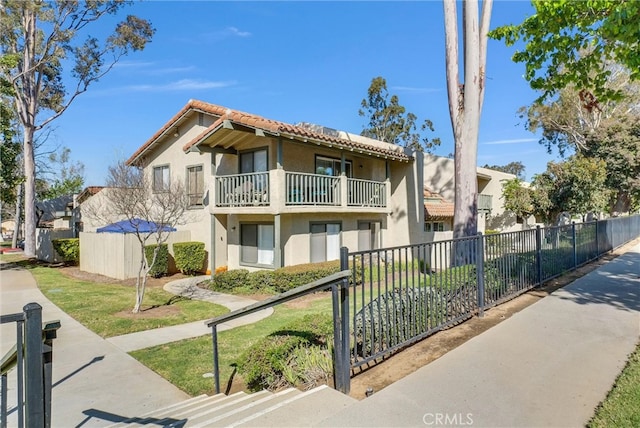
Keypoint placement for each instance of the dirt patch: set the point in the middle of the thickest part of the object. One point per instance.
(76, 273)
(153, 312)
(383, 373)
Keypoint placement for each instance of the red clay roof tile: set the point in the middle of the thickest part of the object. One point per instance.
(256, 121)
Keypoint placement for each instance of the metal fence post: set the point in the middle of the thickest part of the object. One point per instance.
(216, 368)
(597, 241)
(480, 272)
(575, 244)
(34, 382)
(344, 375)
(539, 255)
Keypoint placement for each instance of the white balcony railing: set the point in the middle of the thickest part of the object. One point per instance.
(366, 193)
(242, 190)
(311, 189)
(276, 187)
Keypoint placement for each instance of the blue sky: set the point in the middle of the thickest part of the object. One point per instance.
(293, 62)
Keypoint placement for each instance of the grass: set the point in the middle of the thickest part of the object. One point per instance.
(621, 408)
(184, 363)
(105, 308)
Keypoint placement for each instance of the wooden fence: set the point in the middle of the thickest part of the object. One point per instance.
(117, 255)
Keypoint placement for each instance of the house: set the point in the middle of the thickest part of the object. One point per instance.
(265, 193)
(439, 180)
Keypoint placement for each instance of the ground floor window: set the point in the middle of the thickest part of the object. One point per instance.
(325, 242)
(369, 235)
(257, 244)
(434, 226)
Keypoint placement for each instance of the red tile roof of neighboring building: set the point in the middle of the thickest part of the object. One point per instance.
(435, 209)
(271, 126)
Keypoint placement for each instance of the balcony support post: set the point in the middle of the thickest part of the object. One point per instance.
(277, 247)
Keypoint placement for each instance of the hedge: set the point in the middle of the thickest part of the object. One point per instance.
(68, 249)
(161, 265)
(189, 256)
(263, 365)
(272, 281)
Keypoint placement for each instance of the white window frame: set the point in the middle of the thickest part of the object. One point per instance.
(265, 245)
(434, 226)
(165, 172)
(332, 241)
(195, 198)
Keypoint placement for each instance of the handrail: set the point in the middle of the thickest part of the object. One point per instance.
(10, 359)
(300, 291)
(331, 281)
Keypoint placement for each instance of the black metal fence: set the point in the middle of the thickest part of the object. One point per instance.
(400, 295)
(30, 359)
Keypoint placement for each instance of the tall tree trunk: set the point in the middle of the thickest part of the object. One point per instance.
(18, 218)
(465, 104)
(29, 194)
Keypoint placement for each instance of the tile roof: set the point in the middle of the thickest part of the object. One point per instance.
(271, 126)
(436, 209)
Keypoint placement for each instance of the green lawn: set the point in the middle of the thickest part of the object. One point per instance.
(105, 308)
(621, 408)
(183, 363)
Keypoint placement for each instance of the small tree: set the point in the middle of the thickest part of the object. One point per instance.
(517, 198)
(130, 197)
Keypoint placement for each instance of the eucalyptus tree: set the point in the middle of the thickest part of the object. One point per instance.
(390, 122)
(465, 91)
(37, 39)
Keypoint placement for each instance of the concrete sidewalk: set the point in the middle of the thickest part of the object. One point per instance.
(187, 287)
(549, 365)
(94, 382)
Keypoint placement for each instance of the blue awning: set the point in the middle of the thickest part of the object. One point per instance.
(133, 226)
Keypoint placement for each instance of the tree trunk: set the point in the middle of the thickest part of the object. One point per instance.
(18, 218)
(29, 193)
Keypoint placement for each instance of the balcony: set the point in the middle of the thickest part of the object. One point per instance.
(282, 191)
(485, 203)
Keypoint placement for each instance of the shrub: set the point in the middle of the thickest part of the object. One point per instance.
(189, 257)
(397, 316)
(272, 281)
(68, 249)
(275, 361)
(161, 265)
(229, 281)
(290, 277)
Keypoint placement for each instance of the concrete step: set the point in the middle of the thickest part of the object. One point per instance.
(217, 418)
(128, 422)
(305, 409)
(176, 414)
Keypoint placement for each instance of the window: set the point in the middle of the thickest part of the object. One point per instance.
(331, 166)
(368, 235)
(256, 244)
(195, 185)
(434, 226)
(161, 178)
(255, 161)
(325, 242)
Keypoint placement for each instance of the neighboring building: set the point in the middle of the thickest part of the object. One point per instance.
(439, 178)
(266, 194)
(86, 223)
(438, 217)
(55, 213)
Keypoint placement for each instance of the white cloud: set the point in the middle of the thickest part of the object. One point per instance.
(171, 70)
(235, 32)
(181, 85)
(512, 141)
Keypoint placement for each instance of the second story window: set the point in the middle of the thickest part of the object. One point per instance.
(331, 166)
(161, 178)
(195, 185)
